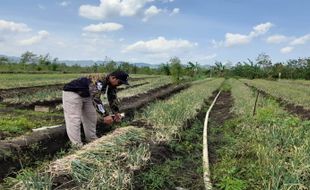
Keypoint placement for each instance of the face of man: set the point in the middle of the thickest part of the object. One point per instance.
(114, 82)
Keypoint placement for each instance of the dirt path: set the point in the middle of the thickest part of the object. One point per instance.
(220, 113)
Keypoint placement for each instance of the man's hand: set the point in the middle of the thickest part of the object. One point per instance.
(117, 117)
(108, 120)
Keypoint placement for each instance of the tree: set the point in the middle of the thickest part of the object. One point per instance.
(44, 60)
(110, 66)
(264, 60)
(4, 60)
(176, 68)
(28, 57)
(165, 69)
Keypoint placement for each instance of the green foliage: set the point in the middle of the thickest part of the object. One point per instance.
(176, 68)
(264, 68)
(15, 125)
(231, 183)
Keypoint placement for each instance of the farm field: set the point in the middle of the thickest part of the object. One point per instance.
(18, 121)
(56, 140)
(165, 126)
(267, 151)
(154, 95)
(163, 140)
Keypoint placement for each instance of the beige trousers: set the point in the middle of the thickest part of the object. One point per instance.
(77, 110)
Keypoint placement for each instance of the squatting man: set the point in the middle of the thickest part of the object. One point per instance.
(81, 102)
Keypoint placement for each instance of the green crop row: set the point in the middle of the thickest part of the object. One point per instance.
(168, 116)
(267, 151)
(27, 80)
(296, 94)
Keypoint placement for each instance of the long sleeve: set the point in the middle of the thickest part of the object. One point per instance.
(95, 91)
(99, 105)
(113, 100)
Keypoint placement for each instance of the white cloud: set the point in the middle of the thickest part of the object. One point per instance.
(236, 39)
(64, 3)
(160, 45)
(287, 49)
(260, 29)
(13, 26)
(150, 12)
(301, 40)
(275, 39)
(110, 8)
(175, 11)
(106, 27)
(35, 39)
(241, 39)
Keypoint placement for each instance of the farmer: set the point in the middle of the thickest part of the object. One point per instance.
(81, 100)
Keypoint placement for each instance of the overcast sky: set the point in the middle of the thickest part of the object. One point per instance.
(153, 31)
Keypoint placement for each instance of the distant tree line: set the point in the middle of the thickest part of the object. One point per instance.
(262, 67)
(32, 63)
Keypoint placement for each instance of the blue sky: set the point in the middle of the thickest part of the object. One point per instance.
(153, 31)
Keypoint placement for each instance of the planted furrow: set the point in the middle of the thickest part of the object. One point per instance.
(13, 152)
(110, 163)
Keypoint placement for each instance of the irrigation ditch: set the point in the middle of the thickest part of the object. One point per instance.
(300, 111)
(25, 150)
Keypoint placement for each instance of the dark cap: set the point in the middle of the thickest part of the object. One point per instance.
(121, 75)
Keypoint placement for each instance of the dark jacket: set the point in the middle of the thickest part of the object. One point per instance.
(85, 87)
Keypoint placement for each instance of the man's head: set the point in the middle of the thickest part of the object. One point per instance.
(118, 78)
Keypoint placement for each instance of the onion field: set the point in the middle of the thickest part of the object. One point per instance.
(258, 136)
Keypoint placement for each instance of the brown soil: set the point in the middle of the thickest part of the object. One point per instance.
(4, 135)
(300, 111)
(219, 114)
(39, 144)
